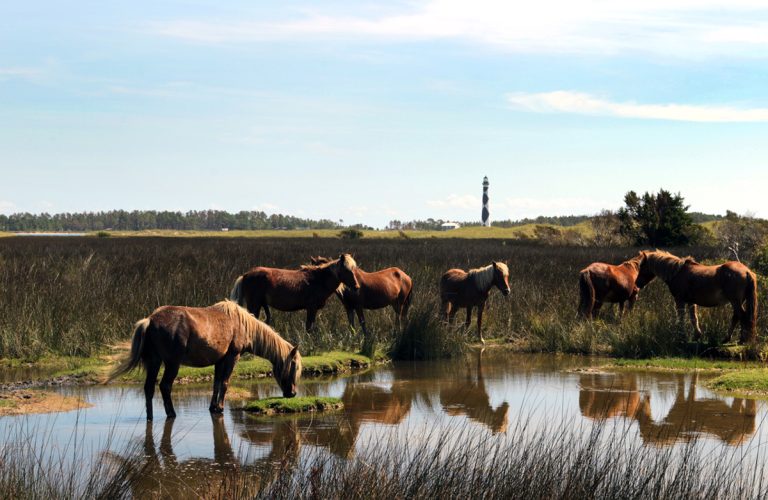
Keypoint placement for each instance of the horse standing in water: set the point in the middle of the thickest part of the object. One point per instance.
(460, 288)
(379, 289)
(600, 283)
(293, 290)
(204, 336)
(695, 284)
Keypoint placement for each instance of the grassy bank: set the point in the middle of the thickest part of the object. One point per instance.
(94, 369)
(74, 296)
(750, 382)
(305, 404)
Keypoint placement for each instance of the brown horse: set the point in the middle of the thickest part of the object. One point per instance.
(293, 290)
(204, 336)
(460, 288)
(379, 289)
(694, 284)
(600, 283)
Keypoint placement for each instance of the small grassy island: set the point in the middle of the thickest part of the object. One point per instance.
(273, 406)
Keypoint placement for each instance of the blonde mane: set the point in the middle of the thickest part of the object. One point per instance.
(634, 262)
(482, 277)
(664, 264)
(266, 342)
(345, 260)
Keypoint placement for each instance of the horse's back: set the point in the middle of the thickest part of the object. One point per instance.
(194, 336)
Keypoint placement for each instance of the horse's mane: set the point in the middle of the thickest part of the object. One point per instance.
(664, 264)
(482, 277)
(266, 342)
(324, 263)
(633, 262)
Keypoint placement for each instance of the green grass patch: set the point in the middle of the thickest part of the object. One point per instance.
(682, 364)
(747, 382)
(95, 369)
(272, 406)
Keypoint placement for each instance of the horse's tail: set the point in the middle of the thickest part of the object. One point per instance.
(586, 294)
(751, 299)
(236, 295)
(137, 346)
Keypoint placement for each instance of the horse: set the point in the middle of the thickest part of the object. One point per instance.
(292, 290)
(695, 284)
(203, 336)
(379, 289)
(600, 282)
(470, 289)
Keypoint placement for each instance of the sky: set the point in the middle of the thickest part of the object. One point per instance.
(374, 111)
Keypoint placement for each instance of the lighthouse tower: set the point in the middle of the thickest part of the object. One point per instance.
(485, 214)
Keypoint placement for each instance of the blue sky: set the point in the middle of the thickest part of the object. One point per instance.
(369, 112)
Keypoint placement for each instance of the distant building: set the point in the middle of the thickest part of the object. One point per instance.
(447, 226)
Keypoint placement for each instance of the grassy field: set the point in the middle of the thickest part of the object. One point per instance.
(474, 232)
(78, 296)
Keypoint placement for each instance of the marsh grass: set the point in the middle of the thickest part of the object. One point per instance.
(76, 296)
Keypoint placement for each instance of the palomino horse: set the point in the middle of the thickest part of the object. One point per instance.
(459, 288)
(694, 284)
(204, 336)
(600, 283)
(388, 287)
(292, 290)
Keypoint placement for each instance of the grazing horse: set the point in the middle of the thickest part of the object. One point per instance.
(388, 287)
(695, 284)
(292, 290)
(600, 282)
(204, 336)
(460, 288)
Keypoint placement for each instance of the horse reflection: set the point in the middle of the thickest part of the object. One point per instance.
(603, 397)
(467, 395)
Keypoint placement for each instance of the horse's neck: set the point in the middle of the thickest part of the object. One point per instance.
(323, 277)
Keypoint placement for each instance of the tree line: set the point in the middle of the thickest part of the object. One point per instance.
(136, 220)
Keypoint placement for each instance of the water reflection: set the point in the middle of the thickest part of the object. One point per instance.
(617, 395)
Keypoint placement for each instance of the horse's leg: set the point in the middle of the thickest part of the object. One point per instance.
(480, 309)
(351, 317)
(469, 317)
(596, 309)
(230, 360)
(621, 311)
(451, 313)
(310, 324)
(267, 314)
(445, 311)
(680, 307)
(692, 310)
(166, 383)
(152, 365)
(734, 321)
(216, 385)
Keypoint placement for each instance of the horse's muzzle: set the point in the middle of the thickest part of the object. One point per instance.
(506, 292)
(289, 394)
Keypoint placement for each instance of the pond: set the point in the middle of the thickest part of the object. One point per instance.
(484, 393)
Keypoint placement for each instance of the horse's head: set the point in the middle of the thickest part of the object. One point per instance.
(288, 375)
(645, 273)
(346, 271)
(501, 277)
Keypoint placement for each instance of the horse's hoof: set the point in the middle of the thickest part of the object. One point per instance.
(216, 410)
(170, 415)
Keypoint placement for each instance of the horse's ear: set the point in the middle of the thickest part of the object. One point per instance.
(293, 352)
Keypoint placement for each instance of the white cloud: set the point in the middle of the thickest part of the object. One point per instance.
(20, 73)
(585, 104)
(464, 201)
(533, 207)
(674, 27)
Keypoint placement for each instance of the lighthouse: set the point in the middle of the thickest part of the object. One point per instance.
(485, 214)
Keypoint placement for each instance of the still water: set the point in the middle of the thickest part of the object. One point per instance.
(487, 393)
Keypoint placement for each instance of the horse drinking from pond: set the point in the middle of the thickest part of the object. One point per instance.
(204, 336)
(470, 289)
(600, 283)
(293, 290)
(379, 289)
(695, 284)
